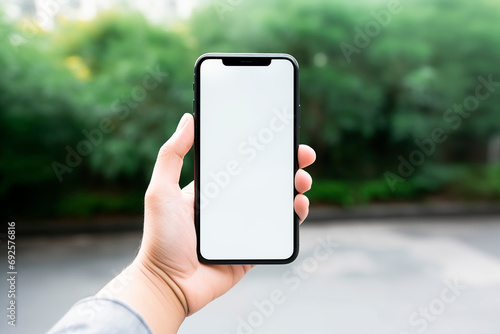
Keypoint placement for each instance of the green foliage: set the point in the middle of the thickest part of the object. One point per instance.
(120, 51)
(346, 193)
(38, 116)
(360, 112)
(328, 191)
(481, 183)
(85, 204)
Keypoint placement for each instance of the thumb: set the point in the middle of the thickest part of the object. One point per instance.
(167, 169)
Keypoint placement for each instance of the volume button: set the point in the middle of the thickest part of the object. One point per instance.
(299, 115)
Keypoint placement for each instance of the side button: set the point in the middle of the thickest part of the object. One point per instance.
(300, 115)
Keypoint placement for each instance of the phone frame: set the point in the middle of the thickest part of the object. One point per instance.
(244, 59)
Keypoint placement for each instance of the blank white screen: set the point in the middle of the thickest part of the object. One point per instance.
(246, 160)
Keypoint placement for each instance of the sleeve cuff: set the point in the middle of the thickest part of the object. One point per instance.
(101, 315)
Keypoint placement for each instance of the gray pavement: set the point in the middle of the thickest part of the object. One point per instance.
(400, 276)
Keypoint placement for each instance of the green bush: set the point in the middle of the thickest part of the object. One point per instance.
(479, 183)
(87, 204)
(331, 192)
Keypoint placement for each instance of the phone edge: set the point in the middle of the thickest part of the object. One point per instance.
(297, 116)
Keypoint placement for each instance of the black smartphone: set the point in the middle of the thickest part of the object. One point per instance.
(247, 116)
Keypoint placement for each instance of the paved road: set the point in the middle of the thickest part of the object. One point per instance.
(402, 277)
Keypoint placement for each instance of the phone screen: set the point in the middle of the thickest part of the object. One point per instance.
(246, 160)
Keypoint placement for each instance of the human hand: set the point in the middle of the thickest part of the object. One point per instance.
(168, 251)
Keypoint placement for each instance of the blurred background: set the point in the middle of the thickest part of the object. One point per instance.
(399, 100)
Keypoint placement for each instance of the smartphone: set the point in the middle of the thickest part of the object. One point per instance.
(247, 116)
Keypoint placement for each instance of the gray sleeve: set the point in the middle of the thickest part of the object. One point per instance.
(100, 315)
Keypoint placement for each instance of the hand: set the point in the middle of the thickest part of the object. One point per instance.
(168, 251)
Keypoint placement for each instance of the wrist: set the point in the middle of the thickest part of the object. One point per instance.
(151, 293)
(170, 306)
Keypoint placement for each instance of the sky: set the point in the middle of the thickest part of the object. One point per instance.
(44, 12)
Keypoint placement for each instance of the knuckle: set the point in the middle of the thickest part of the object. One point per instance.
(152, 195)
(165, 150)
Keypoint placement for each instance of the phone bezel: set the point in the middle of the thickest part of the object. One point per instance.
(243, 59)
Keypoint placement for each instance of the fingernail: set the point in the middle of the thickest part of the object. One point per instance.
(183, 121)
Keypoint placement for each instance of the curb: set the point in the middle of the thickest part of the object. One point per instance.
(91, 226)
(320, 214)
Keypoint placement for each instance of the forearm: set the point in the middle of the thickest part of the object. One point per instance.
(150, 294)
